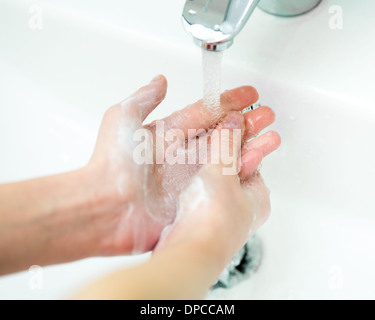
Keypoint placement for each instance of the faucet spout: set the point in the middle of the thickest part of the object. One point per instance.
(214, 24)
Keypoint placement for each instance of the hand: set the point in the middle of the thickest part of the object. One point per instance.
(113, 205)
(224, 211)
(138, 201)
(215, 213)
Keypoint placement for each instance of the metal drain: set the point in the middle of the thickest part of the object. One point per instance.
(242, 265)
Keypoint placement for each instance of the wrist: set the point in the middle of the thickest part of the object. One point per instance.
(51, 222)
(91, 210)
(199, 240)
(198, 257)
(68, 215)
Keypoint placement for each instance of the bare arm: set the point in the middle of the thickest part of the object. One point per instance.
(39, 230)
(206, 235)
(183, 271)
(102, 209)
(43, 221)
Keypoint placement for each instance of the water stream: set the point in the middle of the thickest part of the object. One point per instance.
(212, 62)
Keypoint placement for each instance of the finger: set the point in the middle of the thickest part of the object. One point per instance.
(145, 100)
(250, 162)
(226, 142)
(266, 143)
(253, 152)
(198, 116)
(255, 188)
(257, 120)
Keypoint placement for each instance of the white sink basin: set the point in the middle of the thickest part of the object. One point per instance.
(56, 83)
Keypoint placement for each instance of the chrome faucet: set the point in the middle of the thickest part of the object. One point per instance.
(288, 8)
(215, 23)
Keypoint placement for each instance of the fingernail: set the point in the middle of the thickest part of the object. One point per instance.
(156, 79)
(233, 121)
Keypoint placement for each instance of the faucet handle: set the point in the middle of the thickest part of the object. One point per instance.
(288, 8)
(215, 23)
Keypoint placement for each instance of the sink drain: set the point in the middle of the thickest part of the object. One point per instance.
(242, 265)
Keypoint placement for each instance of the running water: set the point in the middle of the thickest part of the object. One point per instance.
(248, 259)
(212, 62)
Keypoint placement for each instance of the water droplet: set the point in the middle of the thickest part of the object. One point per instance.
(192, 12)
(227, 28)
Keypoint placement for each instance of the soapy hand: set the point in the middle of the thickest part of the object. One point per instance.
(223, 210)
(119, 205)
(141, 200)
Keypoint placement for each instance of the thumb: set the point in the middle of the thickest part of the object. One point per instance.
(145, 100)
(226, 143)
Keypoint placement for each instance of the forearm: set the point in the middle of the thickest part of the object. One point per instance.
(41, 221)
(185, 270)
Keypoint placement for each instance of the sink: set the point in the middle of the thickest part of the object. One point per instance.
(56, 82)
